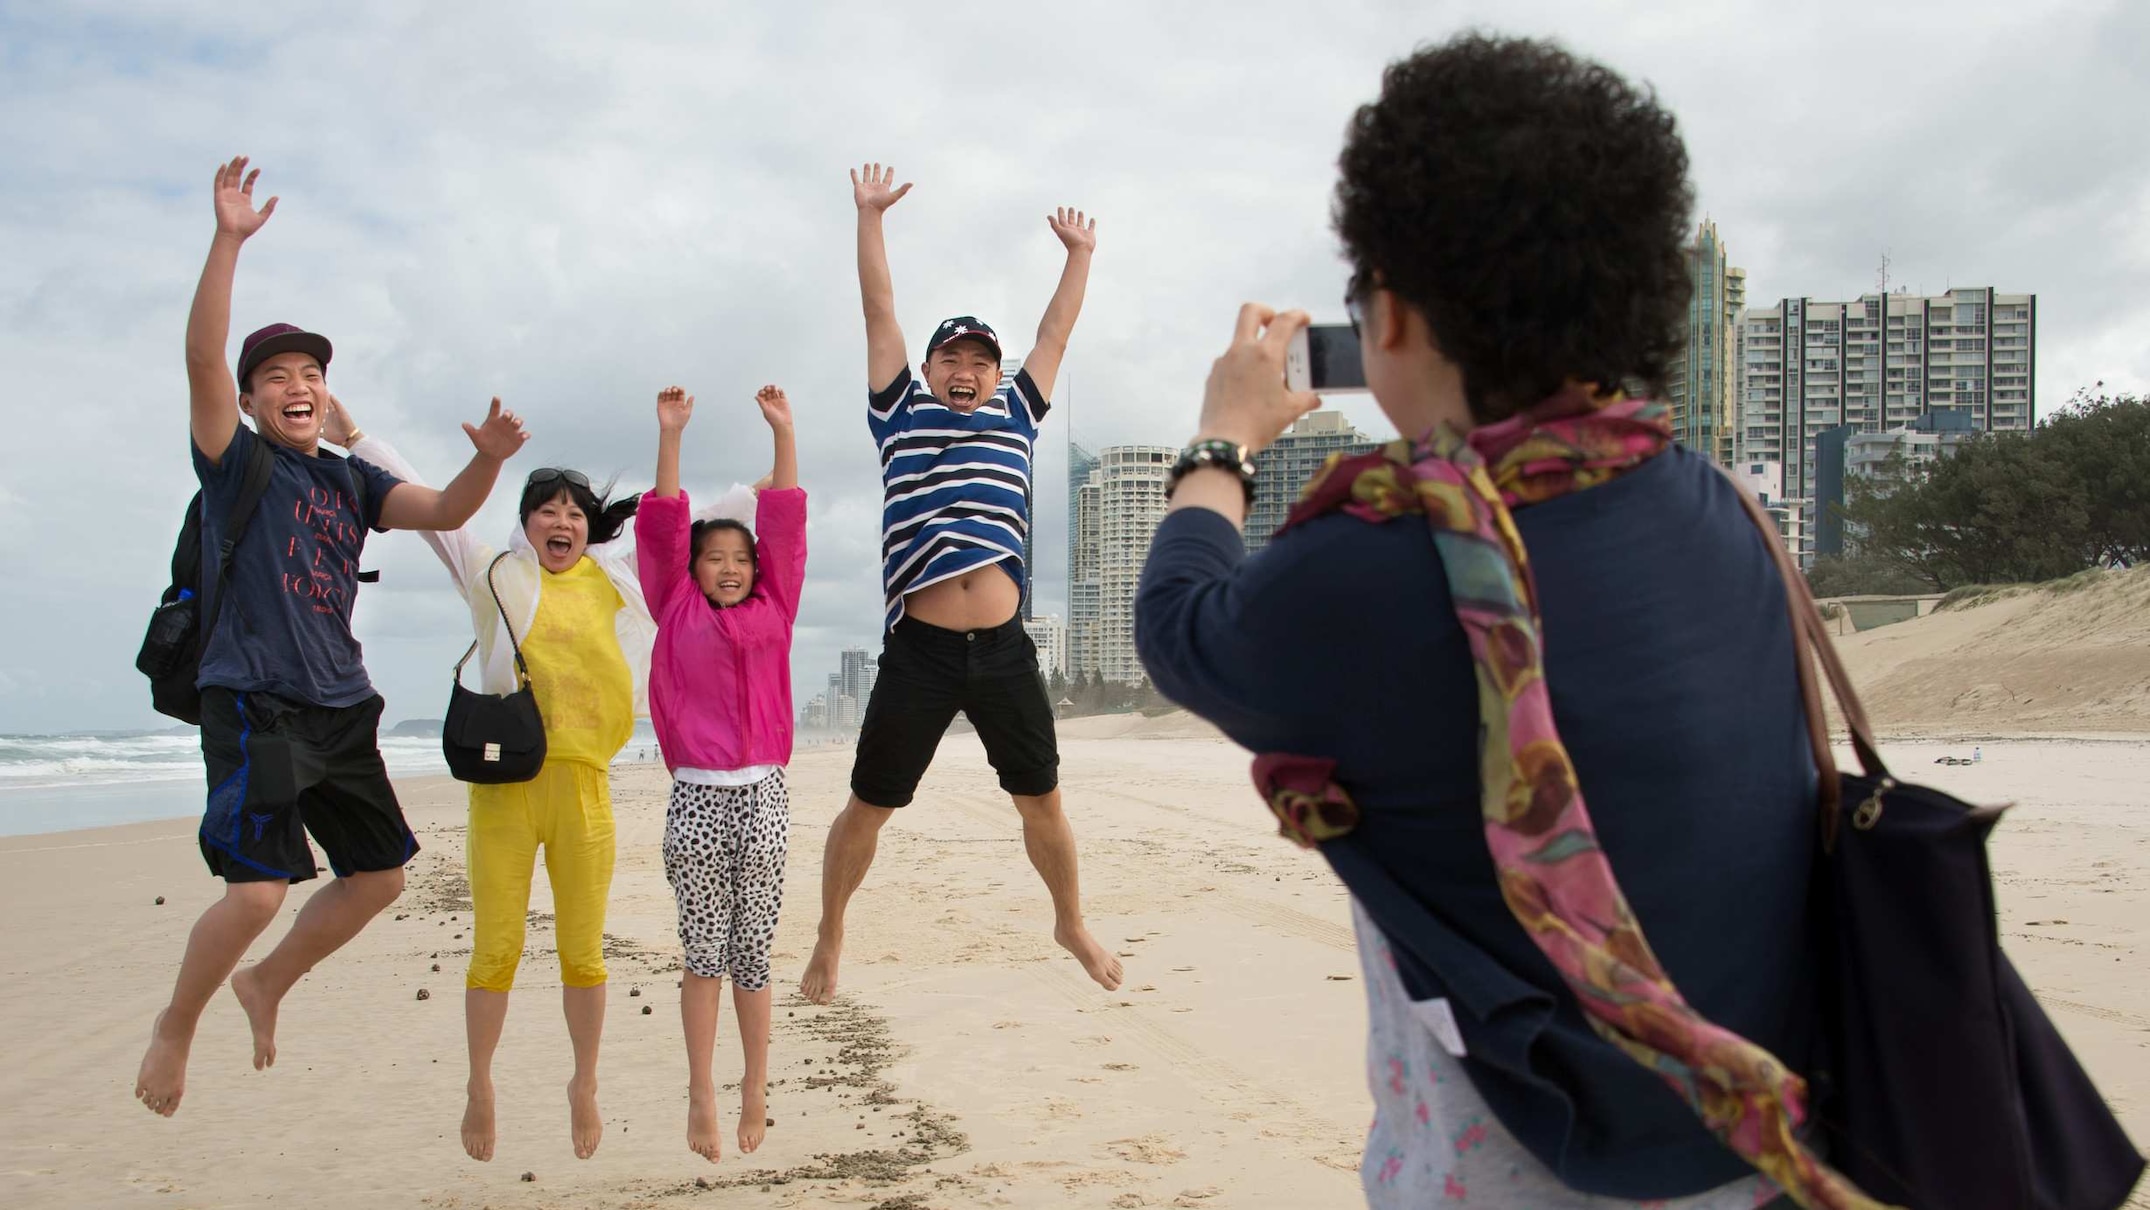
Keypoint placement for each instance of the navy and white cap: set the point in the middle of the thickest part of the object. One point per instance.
(963, 327)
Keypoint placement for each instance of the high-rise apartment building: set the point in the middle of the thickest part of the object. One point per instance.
(1701, 386)
(1874, 364)
(1051, 639)
(1084, 588)
(856, 670)
(1117, 515)
(1284, 468)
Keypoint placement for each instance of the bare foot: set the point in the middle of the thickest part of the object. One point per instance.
(478, 1121)
(1095, 958)
(260, 1015)
(586, 1122)
(163, 1078)
(753, 1116)
(704, 1138)
(819, 982)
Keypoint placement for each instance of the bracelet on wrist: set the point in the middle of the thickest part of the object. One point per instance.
(1224, 455)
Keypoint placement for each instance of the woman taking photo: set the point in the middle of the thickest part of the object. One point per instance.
(569, 591)
(1533, 599)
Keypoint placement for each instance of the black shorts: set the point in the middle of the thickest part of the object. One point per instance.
(279, 769)
(927, 675)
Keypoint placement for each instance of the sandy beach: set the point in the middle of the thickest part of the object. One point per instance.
(968, 1062)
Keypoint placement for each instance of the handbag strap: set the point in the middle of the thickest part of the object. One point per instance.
(522, 670)
(1811, 643)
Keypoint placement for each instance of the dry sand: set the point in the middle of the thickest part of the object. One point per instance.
(968, 1063)
(2072, 657)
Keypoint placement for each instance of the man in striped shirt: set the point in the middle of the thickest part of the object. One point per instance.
(955, 471)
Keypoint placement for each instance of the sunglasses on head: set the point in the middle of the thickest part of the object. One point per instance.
(555, 474)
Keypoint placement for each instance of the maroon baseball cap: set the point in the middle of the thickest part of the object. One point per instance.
(280, 338)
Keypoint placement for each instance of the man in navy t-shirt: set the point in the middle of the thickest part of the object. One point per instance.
(289, 718)
(955, 447)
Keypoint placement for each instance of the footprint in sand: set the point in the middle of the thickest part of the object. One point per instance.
(1147, 1149)
(1121, 1067)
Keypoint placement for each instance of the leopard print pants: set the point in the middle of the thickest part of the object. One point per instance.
(724, 849)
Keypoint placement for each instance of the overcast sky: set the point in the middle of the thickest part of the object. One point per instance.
(571, 207)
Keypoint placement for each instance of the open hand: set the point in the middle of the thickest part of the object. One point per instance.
(876, 190)
(337, 425)
(675, 407)
(1078, 233)
(775, 406)
(501, 434)
(234, 195)
(1245, 401)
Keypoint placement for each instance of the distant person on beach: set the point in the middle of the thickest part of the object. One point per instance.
(1431, 703)
(567, 588)
(955, 470)
(290, 722)
(725, 597)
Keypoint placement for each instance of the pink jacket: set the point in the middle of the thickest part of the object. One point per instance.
(720, 679)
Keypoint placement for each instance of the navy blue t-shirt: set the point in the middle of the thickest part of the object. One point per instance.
(1668, 655)
(293, 576)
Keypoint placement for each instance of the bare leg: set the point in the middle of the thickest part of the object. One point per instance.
(585, 1008)
(1051, 845)
(331, 918)
(752, 1009)
(485, 1014)
(215, 946)
(700, 1001)
(853, 837)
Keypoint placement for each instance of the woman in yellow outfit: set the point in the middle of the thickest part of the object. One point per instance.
(571, 594)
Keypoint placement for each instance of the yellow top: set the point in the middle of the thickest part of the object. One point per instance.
(584, 690)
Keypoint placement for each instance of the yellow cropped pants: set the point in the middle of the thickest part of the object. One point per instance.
(567, 808)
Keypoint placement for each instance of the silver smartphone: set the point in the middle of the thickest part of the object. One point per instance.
(1325, 358)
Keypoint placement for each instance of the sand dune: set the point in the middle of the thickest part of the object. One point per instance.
(2066, 658)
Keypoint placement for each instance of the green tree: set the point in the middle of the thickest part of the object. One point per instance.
(2073, 493)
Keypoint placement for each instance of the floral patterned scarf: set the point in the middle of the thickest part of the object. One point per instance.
(1552, 874)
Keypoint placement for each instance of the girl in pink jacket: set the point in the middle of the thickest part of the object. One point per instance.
(720, 697)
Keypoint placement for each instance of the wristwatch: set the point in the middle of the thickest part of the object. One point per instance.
(1214, 452)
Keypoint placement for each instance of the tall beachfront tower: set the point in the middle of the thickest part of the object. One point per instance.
(1701, 385)
(1878, 363)
(1284, 468)
(1124, 503)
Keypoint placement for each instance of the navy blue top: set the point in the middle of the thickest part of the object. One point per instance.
(1669, 660)
(293, 576)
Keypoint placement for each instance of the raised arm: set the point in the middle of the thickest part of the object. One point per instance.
(874, 190)
(213, 398)
(496, 440)
(1079, 235)
(675, 407)
(459, 550)
(776, 409)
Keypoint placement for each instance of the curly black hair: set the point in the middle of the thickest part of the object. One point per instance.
(1532, 206)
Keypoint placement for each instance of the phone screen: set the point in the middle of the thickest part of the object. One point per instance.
(1332, 357)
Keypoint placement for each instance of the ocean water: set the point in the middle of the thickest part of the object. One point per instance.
(52, 783)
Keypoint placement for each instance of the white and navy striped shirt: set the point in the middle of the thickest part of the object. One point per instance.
(955, 487)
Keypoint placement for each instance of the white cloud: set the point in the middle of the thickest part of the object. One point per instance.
(570, 210)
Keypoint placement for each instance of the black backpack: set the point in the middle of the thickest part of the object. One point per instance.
(171, 655)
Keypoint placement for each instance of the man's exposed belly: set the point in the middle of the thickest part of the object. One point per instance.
(979, 599)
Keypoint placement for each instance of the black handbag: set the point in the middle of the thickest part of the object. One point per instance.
(494, 738)
(1942, 1086)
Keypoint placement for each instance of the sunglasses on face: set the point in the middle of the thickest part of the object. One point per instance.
(555, 474)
